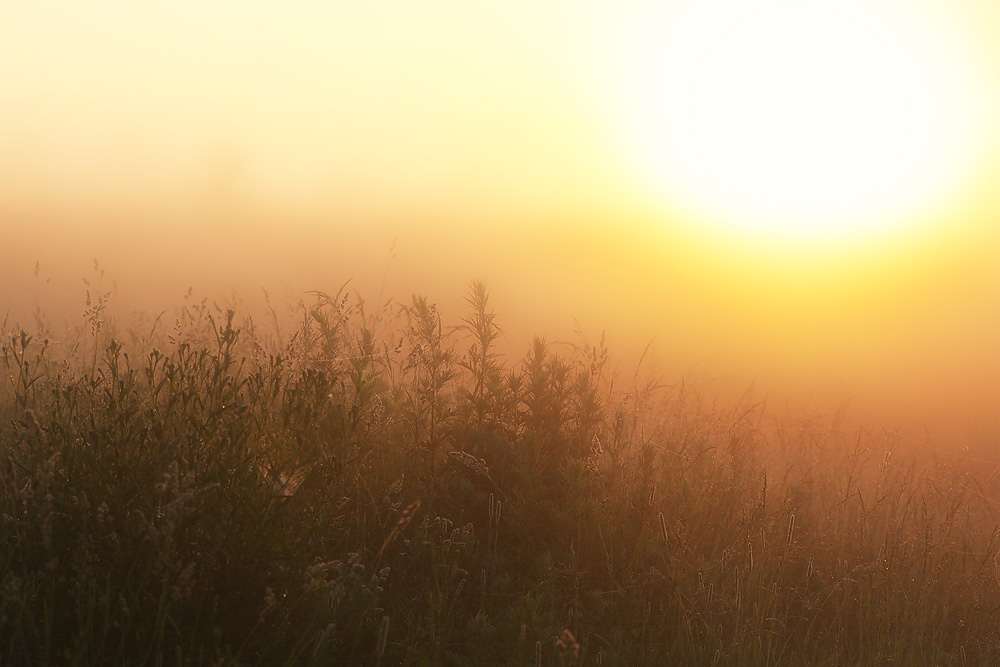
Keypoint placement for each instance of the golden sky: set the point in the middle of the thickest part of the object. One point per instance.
(801, 194)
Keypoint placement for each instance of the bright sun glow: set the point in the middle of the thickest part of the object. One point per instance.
(799, 121)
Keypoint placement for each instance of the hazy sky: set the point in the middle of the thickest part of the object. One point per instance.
(588, 159)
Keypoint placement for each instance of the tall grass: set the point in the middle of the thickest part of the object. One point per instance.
(387, 488)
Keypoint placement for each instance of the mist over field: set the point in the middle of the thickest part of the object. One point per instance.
(411, 151)
(912, 352)
(516, 333)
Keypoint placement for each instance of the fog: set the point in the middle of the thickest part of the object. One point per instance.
(241, 152)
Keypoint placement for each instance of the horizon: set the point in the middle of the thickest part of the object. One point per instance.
(234, 150)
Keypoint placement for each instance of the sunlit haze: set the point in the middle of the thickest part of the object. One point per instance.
(790, 121)
(796, 195)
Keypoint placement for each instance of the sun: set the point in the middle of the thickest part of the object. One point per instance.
(795, 121)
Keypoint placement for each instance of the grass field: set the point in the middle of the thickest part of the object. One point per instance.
(382, 488)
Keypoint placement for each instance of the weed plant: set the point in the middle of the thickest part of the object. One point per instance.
(381, 489)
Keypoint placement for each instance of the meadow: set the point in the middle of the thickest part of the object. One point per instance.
(379, 485)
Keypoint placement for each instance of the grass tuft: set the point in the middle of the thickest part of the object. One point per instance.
(388, 489)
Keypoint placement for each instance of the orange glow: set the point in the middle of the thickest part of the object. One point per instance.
(819, 215)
